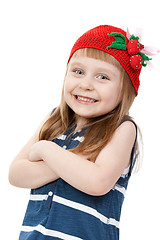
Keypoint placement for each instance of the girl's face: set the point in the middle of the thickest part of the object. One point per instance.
(92, 87)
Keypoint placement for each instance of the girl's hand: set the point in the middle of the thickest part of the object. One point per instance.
(36, 150)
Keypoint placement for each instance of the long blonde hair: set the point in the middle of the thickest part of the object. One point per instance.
(102, 128)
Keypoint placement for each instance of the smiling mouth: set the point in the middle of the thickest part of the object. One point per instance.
(85, 99)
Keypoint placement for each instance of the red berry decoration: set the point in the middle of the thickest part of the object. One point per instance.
(136, 61)
(133, 47)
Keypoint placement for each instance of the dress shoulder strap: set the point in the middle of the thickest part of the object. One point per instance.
(133, 153)
(52, 111)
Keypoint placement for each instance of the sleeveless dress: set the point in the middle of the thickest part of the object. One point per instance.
(59, 211)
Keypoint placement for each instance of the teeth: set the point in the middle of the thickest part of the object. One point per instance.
(85, 99)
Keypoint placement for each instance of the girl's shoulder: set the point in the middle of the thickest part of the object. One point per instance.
(129, 126)
(128, 122)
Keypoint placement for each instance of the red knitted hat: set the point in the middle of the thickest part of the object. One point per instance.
(114, 41)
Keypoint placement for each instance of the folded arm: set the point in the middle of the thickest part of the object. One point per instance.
(26, 174)
(92, 178)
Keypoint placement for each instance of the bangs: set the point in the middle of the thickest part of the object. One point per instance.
(98, 54)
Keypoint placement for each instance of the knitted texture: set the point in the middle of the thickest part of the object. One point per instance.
(101, 38)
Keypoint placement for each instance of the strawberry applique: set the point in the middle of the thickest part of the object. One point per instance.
(133, 47)
(136, 61)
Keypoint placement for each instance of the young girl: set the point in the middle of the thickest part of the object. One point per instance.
(79, 161)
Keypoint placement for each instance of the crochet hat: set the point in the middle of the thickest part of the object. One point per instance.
(115, 42)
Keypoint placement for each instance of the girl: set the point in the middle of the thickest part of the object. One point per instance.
(78, 163)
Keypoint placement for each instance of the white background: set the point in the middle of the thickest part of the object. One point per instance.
(35, 41)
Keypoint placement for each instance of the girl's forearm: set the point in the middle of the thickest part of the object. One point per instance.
(75, 170)
(26, 174)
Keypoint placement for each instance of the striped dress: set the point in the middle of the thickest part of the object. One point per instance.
(59, 211)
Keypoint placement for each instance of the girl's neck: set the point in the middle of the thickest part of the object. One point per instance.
(80, 123)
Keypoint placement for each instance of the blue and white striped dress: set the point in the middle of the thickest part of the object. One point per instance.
(59, 211)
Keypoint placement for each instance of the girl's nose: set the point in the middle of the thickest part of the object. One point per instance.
(86, 83)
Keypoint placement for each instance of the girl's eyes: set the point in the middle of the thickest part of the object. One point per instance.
(103, 77)
(78, 71)
(99, 76)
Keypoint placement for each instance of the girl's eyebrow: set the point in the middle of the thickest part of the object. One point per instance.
(105, 70)
(76, 63)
